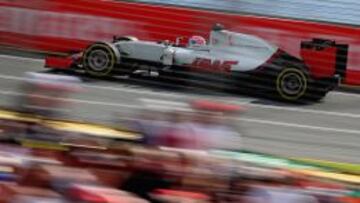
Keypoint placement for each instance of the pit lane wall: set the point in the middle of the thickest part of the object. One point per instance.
(64, 25)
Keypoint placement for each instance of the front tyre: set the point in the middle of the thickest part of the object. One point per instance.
(99, 60)
(291, 84)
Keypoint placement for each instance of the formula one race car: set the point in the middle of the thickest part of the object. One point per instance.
(245, 60)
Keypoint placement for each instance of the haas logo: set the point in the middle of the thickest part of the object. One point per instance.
(207, 65)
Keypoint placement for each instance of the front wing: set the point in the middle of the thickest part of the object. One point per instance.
(63, 62)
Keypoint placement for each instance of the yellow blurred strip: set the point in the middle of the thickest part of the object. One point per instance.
(354, 179)
(86, 128)
(42, 145)
(92, 129)
(12, 115)
(83, 146)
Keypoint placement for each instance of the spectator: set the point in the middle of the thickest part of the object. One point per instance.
(150, 124)
(203, 129)
(45, 93)
(178, 134)
(212, 132)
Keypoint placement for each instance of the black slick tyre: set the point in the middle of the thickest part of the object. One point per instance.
(99, 60)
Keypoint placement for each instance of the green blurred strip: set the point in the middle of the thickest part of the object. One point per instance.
(284, 162)
(337, 166)
(263, 159)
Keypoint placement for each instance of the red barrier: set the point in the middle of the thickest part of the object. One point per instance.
(64, 25)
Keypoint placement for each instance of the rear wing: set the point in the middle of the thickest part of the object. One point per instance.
(325, 58)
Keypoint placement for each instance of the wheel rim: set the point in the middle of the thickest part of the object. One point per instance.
(292, 84)
(98, 60)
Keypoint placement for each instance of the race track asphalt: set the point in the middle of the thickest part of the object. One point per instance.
(327, 130)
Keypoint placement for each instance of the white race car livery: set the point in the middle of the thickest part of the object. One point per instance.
(248, 59)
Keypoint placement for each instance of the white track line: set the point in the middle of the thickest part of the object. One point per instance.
(345, 94)
(163, 102)
(247, 102)
(252, 120)
(185, 103)
(135, 91)
(75, 100)
(294, 125)
(19, 58)
(302, 110)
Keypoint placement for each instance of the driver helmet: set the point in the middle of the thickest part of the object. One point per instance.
(197, 41)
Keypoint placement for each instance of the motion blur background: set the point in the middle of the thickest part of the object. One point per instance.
(84, 142)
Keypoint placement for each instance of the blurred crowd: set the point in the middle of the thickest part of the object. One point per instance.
(171, 161)
(203, 125)
(46, 94)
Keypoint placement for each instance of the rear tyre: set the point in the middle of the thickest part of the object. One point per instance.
(99, 60)
(292, 84)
